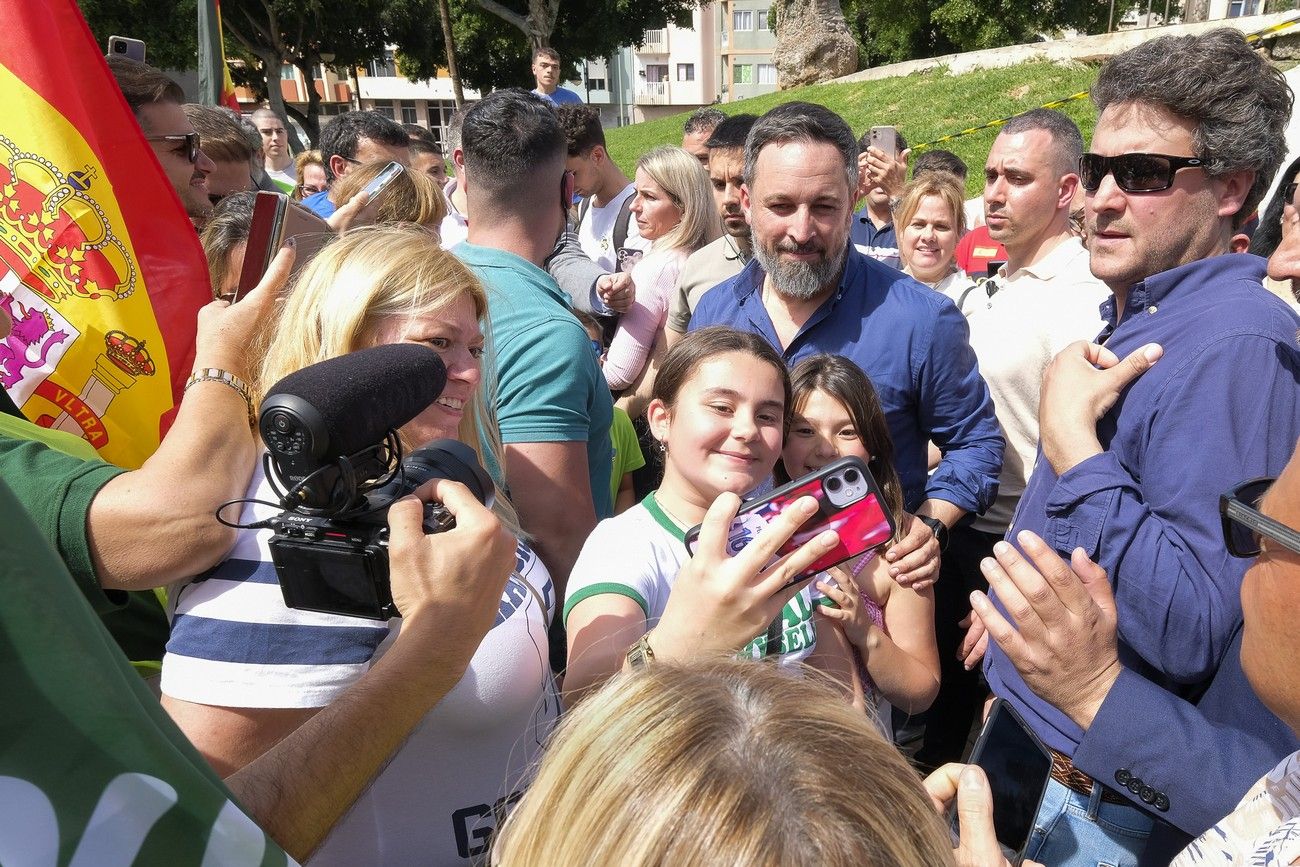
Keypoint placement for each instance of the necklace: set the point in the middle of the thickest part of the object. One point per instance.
(669, 512)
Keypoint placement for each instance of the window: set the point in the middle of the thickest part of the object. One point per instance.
(383, 67)
(742, 73)
(742, 19)
(762, 20)
(596, 83)
(766, 73)
(408, 111)
(1238, 8)
(384, 107)
(286, 73)
(686, 72)
(656, 72)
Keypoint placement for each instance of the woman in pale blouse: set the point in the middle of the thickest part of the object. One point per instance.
(674, 210)
(930, 219)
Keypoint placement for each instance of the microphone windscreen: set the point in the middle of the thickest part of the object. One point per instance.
(362, 395)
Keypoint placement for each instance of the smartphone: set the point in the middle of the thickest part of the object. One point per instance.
(1018, 767)
(886, 139)
(376, 189)
(848, 501)
(132, 49)
(276, 219)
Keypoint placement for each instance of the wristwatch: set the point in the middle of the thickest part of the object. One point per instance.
(939, 528)
(640, 654)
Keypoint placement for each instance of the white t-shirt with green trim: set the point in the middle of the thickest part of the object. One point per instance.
(638, 554)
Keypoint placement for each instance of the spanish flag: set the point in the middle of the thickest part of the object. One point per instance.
(99, 266)
(215, 84)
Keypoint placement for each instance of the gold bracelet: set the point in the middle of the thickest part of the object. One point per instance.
(216, 374)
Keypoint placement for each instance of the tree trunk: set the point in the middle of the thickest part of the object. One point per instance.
(813, 43)
(444, 12)
(311, 120)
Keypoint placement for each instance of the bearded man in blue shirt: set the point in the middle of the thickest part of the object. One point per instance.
(808, 291)
(1190, 388)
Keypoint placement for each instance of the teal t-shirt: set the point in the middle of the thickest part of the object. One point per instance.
(549, 386)
(92, 771)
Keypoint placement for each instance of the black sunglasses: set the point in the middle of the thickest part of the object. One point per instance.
(1134, 173)
(191, 140)
(1244, 524)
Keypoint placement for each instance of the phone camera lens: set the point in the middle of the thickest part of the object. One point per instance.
(851, 476)
(833, 485)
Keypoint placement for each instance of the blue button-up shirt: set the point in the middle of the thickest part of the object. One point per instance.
(1222, 405)
(915, 346)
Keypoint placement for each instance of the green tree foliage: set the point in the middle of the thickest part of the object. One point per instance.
(168, 27)
(889, 31)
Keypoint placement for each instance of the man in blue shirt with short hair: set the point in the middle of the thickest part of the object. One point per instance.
(546, 72)
(808, 291)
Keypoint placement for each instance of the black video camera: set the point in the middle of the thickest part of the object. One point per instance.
(339, 564)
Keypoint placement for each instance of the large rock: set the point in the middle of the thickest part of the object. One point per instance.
(813, 43)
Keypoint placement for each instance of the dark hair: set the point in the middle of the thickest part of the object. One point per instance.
(1066, 138)
(226, 229)
(703, 120)
(939, 160)
(507, 136)
(865, 140)
(582, 129)
(546, 51)
(802, 121)
(844, 381)
(732, 132)
(1239, 101)
(697, 347)
(342, 136)
(224, 138)
(1268, 234)
(422, 140)
(141, 84)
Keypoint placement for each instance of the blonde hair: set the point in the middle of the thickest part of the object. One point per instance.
(411, 197)
(687, 184)
(300, 163)
(723, 763)
(339, 301)
(946, 186)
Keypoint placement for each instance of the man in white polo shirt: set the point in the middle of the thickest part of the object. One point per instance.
(1040, 301)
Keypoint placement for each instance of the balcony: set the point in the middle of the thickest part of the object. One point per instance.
(652, 93)
(656, 42)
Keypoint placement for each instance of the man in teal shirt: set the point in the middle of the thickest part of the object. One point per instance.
(553, 406)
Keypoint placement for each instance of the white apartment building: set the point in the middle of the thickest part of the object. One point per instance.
(429, 103)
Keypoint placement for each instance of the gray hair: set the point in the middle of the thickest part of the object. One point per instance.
(1240, 103)
(802, 121)
(1067, 141)
(703, 120)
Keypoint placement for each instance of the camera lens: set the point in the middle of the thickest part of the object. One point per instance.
(851, 476)
(119, 47)
(833, 484)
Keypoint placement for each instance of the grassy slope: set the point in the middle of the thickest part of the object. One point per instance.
(924, 107)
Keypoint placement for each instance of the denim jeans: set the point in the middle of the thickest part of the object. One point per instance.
(1074, 830)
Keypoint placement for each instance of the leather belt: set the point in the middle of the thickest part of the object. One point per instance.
(1065, 773)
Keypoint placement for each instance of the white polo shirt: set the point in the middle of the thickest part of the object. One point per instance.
(1035, 313)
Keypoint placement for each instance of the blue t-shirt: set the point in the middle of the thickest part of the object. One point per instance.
(561, 96)
(879, 244)
(321, 204)
(549, 385)
(914, 345)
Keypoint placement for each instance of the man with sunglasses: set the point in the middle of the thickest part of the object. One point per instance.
(156, 100)
(1190, 387)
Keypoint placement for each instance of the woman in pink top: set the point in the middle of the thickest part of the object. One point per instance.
(674, 210)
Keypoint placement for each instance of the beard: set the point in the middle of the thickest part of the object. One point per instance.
(802, 281)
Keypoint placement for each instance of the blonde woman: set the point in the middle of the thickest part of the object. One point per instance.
(309, 168)
(722, 763)
(674, 210)
(411, 197)
(931, 220)
(243, 670)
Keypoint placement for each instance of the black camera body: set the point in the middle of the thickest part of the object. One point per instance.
(338, 563)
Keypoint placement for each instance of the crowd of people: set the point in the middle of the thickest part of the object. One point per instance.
(1077, 393)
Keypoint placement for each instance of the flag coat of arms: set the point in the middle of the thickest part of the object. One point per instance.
(100, 268)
